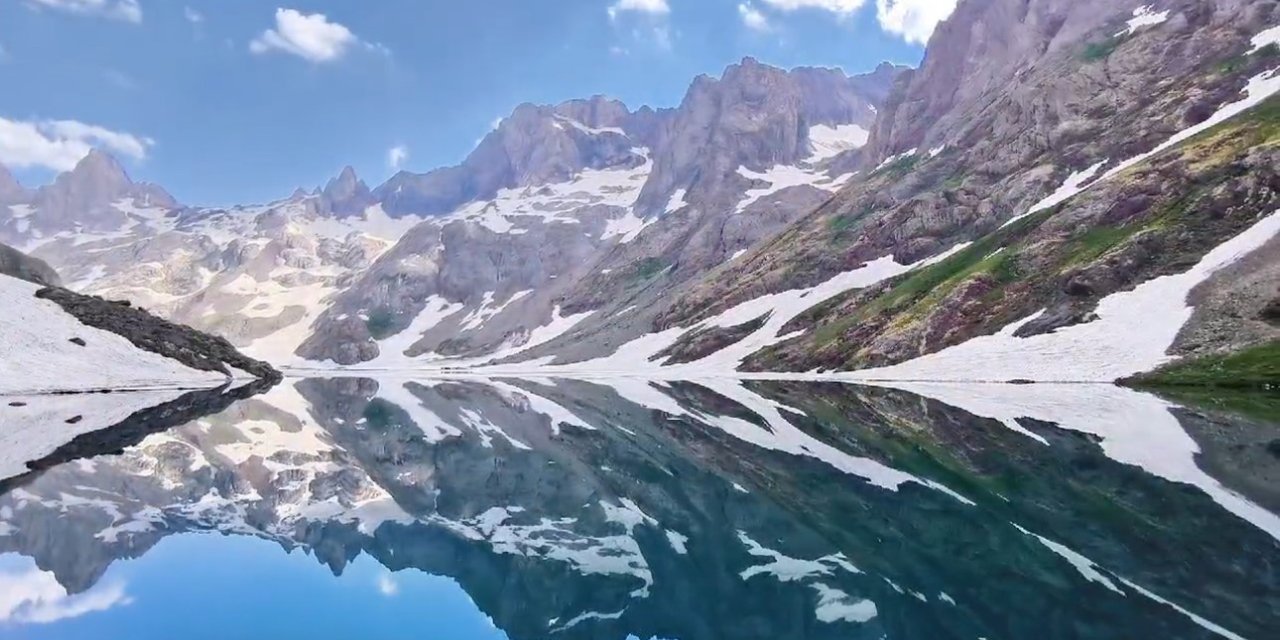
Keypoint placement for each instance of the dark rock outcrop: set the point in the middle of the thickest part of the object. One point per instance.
(19, 265)
(192, 348)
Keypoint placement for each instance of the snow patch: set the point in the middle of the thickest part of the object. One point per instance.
(1075, 183)
(1143, 17)
(1132, 334)
(677, 201)
(1265, 38)
(828, 142)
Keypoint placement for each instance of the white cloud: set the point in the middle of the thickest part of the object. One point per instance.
(126, 10)
(193, 16)
(397, 156)
(31, 596)
(308, 36)
(60, 144)
(653, 7)
(387, 585)
(660, 36)
(752, 17)
(843, 7)
(650, 28)
(914, 20)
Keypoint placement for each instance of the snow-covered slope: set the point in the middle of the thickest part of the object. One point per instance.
(38, 353)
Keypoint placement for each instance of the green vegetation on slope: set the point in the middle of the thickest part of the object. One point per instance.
(649, 267)
(1253, 368)
(1188, 213)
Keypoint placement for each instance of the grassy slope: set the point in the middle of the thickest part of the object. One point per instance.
(909, 299)
(1254, 368)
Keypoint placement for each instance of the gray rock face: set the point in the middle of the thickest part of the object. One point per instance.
(997, 65)
(535, 145)
(19, 265)
(1012, 98)
(81, 198)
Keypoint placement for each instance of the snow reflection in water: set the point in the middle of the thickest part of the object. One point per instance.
(625, 507)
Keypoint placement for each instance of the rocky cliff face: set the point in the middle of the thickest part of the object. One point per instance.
(346, 195)
(15, 264)
(11, 192)
(1013, 100)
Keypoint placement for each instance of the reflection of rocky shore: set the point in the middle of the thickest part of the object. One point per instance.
(690, 509)
(134, 429)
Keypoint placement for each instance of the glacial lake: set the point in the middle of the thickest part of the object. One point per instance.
(627, 508)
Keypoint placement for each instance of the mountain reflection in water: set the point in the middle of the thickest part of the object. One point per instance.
(616, 508)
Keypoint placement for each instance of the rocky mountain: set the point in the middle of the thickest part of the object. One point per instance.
(1086, 89)
(603, 509)
(1053, 172)
(94, 197)
(630, 204)
(557, 208)
(15, 264)
(1160, 113)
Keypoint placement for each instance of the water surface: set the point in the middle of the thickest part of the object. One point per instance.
(627, 508)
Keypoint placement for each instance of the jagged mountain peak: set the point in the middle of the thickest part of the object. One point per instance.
(346, 194)
(97, 181)
(10, 189)
(345, 183)
(100, 168)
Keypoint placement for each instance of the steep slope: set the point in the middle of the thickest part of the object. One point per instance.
(41, 351)
(56, 340)
(1019, 106)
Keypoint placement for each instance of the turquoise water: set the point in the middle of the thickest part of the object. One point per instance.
(362, 508)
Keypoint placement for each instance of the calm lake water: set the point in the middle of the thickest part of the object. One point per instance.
(614, 509)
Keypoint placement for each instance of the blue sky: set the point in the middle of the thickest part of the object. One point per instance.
(232, 101)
